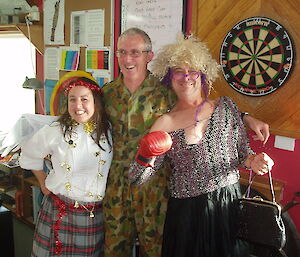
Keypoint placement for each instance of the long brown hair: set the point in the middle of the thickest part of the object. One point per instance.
(100, 117)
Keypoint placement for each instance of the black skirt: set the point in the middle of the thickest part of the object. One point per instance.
(204, 226)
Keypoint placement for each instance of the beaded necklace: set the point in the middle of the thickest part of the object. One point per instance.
(197, 121)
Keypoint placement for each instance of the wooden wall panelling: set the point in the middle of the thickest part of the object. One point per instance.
(211, 22)
(36, 33)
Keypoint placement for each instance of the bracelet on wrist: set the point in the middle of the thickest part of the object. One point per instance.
(243, 115)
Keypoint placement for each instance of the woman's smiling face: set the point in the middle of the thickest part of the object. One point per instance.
(81, 105)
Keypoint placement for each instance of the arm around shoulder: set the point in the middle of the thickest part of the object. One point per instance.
(260, 128)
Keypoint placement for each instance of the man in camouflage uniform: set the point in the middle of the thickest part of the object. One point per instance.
(133, 102)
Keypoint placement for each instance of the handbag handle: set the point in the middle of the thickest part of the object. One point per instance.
(251, 179)
(271, 186)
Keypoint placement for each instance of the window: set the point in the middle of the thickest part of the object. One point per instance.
(17, 57)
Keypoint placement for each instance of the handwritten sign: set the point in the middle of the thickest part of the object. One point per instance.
(161, 19)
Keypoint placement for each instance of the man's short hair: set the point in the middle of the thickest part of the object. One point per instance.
(137, 31)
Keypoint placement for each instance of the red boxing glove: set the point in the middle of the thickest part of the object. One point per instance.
(153, 144)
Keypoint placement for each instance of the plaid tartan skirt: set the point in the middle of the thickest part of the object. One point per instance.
(65, 230)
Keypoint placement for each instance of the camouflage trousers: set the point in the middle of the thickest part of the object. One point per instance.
(134, 211)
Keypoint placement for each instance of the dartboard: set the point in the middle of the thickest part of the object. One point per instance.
(256, 56)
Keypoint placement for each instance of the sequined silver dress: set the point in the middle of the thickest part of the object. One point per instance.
(203, 187)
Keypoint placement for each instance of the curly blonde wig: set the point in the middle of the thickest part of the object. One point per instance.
(190, 52)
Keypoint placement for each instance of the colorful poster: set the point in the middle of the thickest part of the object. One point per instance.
(69, 59)
(102, 80)
(102, 77)
(49, 86)
(98, 58)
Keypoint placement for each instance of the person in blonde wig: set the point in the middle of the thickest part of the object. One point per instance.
(209, 143)
(190, 52)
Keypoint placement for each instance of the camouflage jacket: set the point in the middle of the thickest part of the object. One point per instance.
(132, 115)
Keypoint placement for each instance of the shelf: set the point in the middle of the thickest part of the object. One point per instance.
(9, 29)
(21, 181)
(6, 187)
(36, 33)
(5, 168)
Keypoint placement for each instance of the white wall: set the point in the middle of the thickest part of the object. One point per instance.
(15, 64)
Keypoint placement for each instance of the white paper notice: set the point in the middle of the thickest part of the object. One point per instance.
(87, 28)
(54, 21)
(161, 19)
(95, 28)
(284, 143)
(51, 63)
(78, 28)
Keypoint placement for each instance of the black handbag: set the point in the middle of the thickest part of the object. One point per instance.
(260, 220)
